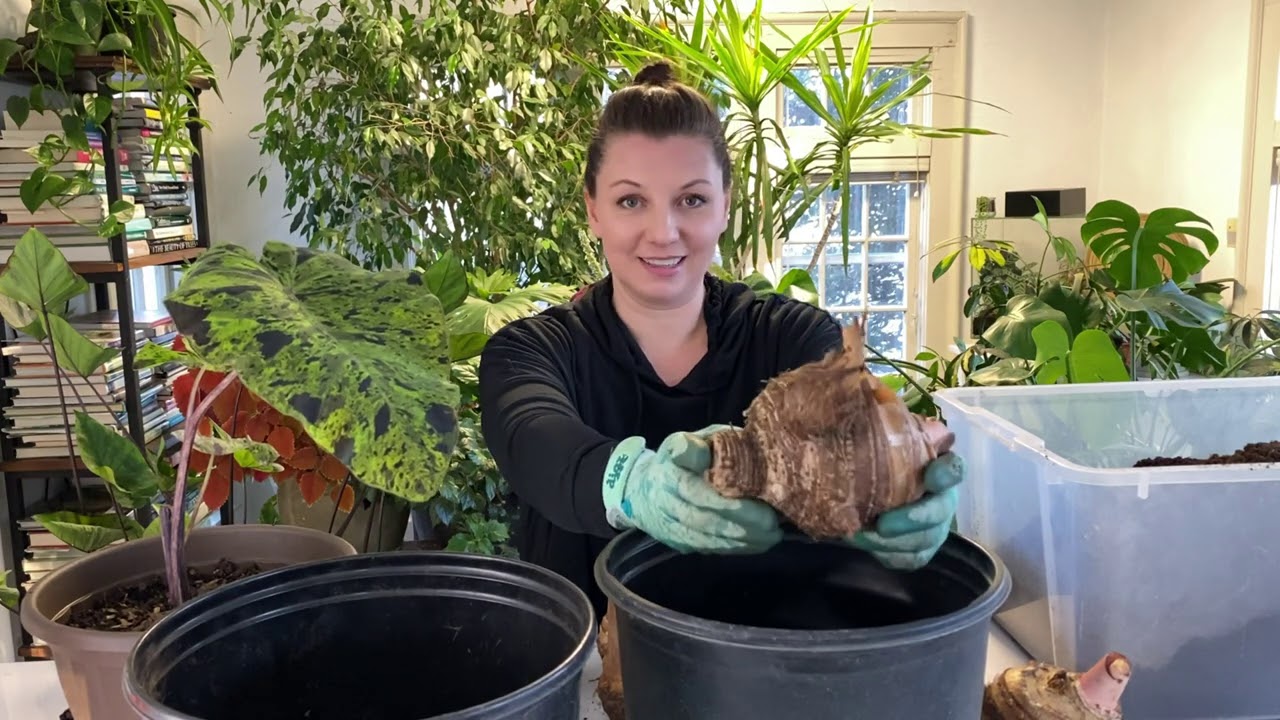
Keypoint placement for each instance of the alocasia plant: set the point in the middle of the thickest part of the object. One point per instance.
(360, 359)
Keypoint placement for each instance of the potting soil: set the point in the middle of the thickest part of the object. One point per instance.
(1267, 452)
(136, 607)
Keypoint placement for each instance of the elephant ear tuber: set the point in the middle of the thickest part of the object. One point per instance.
(1039, 691)
(609, 687)
(828, 445)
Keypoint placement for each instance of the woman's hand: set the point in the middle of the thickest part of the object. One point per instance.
(665, 495)
(908, 537)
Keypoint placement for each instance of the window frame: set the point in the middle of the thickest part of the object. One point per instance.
(1256, 241)
(934, 317)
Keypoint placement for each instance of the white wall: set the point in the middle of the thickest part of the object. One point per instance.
(1174, 107)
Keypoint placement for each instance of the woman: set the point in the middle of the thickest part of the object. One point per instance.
(597, 411)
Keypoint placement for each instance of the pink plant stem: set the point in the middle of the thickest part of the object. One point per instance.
(174, 562)
(1100, 686)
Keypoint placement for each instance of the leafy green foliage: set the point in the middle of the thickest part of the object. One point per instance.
(728, 55)
(435, 127)
(1012, 333)
(1131, 250)
(8, 594)
(89, 533)
(360, 358)
(118, 461)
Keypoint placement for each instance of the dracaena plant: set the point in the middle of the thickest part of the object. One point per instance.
(729, 56)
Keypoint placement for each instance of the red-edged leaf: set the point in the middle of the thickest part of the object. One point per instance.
(257, 429)
(272, 415)
(332, 468)
(222, 469)
(216, 491)
(312, 487)
(305, 458)
(199, 461)
(224, 406)
(348, 499)
(208, 380)
(281, 438)
(205, 427)
(182, 390)
(238, 428)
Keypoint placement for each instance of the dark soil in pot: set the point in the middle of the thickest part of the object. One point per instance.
(1268, 452)
(137, 606)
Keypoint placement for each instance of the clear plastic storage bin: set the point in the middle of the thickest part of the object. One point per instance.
(1177, 567)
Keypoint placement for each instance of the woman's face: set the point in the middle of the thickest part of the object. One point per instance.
(659, 208)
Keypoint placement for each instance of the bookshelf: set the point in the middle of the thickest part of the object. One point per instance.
(126, 165)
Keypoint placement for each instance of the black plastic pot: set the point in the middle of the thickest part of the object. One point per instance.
(391, 636)
(808, 630)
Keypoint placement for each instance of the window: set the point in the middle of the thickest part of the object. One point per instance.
(883, 218)
(150, 285)
(905, 197)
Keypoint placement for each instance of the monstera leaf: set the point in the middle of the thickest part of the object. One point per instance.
(359, 358)
(1133, 251)
(1011, 333)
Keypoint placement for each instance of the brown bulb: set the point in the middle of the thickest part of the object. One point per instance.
(828, 445)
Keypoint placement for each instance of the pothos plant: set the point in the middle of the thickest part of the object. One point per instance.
(154, 56)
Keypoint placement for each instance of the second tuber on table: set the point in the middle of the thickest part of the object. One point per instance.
(1040, 691)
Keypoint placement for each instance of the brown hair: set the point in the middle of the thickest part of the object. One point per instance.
(657, 105)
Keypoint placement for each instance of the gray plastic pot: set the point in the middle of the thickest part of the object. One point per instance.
(90, 663)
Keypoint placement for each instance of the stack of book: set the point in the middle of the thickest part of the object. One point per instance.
(70, 223)
(36, 421)
(163, 181)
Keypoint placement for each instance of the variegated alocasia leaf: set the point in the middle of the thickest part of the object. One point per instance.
(360, 358)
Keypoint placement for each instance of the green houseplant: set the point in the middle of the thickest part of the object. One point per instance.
(81, 610)
(1140, 293)
(443, 126)
(729, 56)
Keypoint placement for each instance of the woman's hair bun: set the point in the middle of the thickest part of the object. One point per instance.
(658, 73)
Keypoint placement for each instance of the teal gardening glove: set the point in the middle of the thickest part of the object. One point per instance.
(665, 495)
(908, 537)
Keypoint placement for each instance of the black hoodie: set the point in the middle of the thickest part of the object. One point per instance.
(560, 390)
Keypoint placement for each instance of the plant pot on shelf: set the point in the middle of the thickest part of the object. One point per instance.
(90, 663)
(423, 635)
(388, 531)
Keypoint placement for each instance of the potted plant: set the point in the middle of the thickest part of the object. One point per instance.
(93, 610)
(361, 360)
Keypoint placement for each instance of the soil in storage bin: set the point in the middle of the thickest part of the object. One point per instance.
(136, 607)
(1268, 452)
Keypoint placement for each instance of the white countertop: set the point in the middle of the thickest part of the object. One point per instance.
(30, 691)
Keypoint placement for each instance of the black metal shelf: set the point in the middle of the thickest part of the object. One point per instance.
(100, 274)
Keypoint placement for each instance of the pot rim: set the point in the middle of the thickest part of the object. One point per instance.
(40, 625)
(277, 581)
(979, 609)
